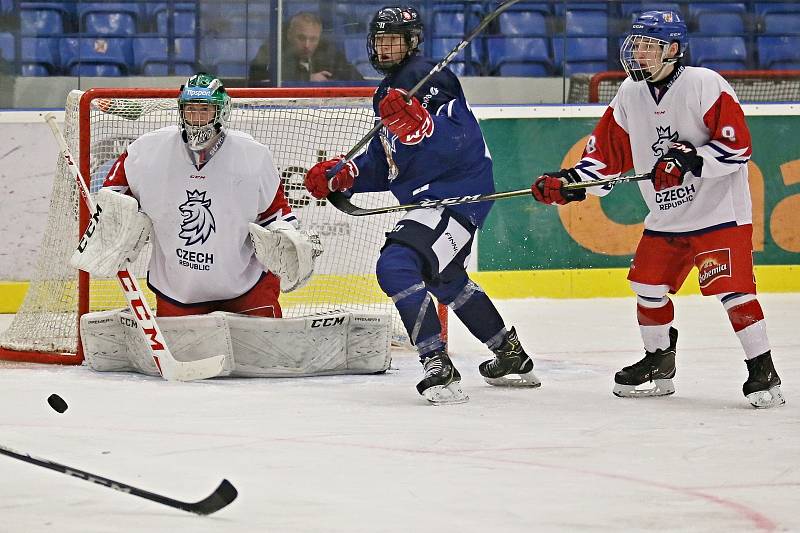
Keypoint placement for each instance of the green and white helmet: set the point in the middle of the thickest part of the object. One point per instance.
(204, 88)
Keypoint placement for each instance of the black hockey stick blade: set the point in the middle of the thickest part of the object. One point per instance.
(222, 496)
(341, 202)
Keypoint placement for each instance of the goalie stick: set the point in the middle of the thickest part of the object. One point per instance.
(437, 68)
(342, 202)
(167, 365)
(223, 495)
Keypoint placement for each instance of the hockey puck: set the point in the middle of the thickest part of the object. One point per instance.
(57, 403)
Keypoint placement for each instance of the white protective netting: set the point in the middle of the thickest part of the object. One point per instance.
(299, 131)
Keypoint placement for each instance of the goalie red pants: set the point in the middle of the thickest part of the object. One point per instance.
(261, 300)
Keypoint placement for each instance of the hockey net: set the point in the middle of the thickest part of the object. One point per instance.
(750, 85)
(301, 127)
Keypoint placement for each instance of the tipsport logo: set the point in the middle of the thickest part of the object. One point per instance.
(198, 221)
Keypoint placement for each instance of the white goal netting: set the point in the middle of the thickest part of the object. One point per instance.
(300, 130)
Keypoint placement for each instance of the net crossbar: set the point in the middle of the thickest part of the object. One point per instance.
(749, 85)
(301, 127)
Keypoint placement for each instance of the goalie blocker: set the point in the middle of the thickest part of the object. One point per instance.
(317, 345)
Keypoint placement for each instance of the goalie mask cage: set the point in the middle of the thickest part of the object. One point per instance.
(300, 126)
(749, 85)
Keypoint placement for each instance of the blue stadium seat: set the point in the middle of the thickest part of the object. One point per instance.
(39, 56)
(519, 56)
(455, 20)
(151, 56)
(116, 24)
(518, 22)
(41, 22)
(101, 56)
(537, 7)
(237, 20)
(695, 8)
(580, 54)
(585, 22)
(7, 46)
(709, 23)
(6, 7)
(779, 53)
(127, 14)
(721, 53)
(355, 49)
(66, 9)
(442, 47)
(763, 8)
(229, 58)
(184, 22)
(787, 23)
(562, 7)
(631, 10)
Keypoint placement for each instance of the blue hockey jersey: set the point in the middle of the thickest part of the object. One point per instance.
(454, 161)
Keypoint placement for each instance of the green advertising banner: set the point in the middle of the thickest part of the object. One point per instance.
(522, 234)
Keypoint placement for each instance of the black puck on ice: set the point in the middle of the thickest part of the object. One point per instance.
(57, 403)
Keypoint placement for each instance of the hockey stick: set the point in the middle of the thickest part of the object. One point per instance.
(342, 203)
(223, 495)
(167, 365)
(437, 68)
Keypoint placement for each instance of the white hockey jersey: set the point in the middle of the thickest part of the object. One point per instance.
(201, 246)
(697, 106)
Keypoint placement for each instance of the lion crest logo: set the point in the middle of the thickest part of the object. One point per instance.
(665, 138)
(198, 222)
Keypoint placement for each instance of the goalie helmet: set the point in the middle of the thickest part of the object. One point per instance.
(203, 88)
(403, 21)
(644, 53)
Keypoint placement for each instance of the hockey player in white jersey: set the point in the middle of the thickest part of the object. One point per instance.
(224, 237)
(684, 125)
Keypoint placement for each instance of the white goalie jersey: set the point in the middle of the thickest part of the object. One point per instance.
(201, 242)
(697, 106)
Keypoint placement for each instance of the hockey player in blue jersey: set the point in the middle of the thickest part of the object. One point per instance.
(430, 147)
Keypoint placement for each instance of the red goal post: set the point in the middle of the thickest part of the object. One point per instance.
(300, 125)
(749, 85)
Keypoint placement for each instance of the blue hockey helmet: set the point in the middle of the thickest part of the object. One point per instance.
(644, 53)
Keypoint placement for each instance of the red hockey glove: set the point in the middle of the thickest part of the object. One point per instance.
(318, 184)
(671, 168)
(408, 120)
(549, 188)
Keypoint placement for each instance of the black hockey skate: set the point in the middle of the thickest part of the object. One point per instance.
(442, 382)
(657, 368)
(762, 387)
(510, 360)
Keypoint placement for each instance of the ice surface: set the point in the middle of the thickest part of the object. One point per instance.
(366, 453)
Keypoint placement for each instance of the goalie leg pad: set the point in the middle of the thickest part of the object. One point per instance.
(335, 343)
(112, 344)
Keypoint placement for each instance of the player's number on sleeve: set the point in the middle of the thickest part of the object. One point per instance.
(729, 133)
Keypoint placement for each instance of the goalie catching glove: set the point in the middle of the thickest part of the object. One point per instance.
(549, 188)
(286, 252)
(409, 120)
(116, 234)
(320, 186)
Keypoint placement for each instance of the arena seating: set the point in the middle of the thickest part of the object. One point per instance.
(541, 38)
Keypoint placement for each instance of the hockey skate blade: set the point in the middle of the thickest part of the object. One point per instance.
(658, 387)
(445, 394)
(528, 380)
(766, 399)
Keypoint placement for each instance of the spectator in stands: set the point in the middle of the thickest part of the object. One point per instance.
(307, 56)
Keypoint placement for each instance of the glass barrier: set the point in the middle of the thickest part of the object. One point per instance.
(563, 50)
